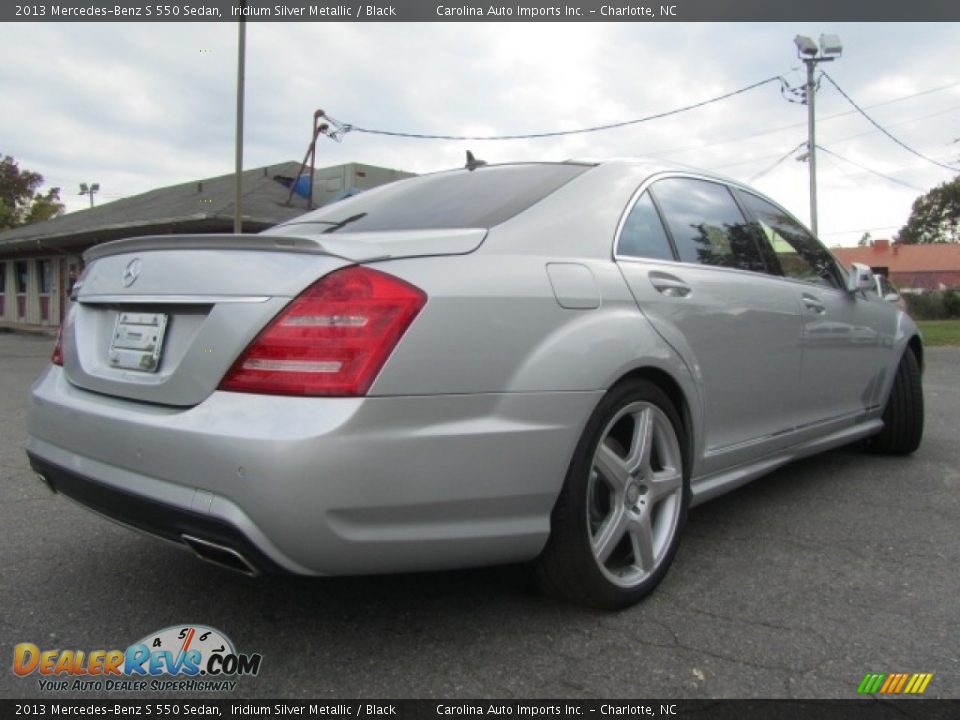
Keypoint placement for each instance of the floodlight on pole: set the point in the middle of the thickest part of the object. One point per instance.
(90, 190)
(811, 54)
(805, 46)
(831, 46)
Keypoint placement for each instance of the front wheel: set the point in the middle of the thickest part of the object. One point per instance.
(903, 415)
(617, 522)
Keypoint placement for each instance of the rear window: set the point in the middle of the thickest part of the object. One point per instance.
(482, 198)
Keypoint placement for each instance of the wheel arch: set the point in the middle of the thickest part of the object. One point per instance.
(681, 403)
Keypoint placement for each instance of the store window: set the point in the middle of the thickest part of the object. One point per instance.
(45, 273)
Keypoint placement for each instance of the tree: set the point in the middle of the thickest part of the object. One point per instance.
(865, 240)
(935, 217)
(20, 201)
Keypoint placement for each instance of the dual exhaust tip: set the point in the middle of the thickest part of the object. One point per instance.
(222, 555)
(213, 552)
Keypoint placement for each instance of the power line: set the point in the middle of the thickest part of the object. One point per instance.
(832, 142)
(789, 152)
(898, 99)
(797, 147)
(897, 124)
(754, 159)
(751, 136)
(869, 170)
(723, 166)
(781, 128)
(341, 128)
(884, 130)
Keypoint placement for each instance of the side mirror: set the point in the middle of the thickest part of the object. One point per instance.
(860, 278)
(892, 297)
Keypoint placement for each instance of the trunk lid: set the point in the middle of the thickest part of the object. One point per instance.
(162, 319)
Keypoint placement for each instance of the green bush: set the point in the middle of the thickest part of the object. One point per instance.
(934, 305)
(951, 303)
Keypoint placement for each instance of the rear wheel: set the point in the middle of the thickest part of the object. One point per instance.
(617, 522)
(903, 415)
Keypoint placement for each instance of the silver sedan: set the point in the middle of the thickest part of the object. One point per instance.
(537, 361)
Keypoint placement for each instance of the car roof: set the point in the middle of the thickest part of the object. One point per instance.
(656, 166)
(648, 166)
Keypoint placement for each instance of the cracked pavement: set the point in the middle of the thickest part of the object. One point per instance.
(792, 587)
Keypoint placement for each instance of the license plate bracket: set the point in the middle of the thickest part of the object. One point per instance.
(137, 341)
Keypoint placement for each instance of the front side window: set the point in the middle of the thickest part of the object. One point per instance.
(643, 234)
(707, 225)
(800, 255)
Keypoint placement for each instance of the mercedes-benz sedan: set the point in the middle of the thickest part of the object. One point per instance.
(543, 362)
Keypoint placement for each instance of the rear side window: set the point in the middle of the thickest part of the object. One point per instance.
(482, 198)
(800, 254)
(643, 234)
(706, 224)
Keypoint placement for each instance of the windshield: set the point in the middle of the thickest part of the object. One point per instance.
(480, 198)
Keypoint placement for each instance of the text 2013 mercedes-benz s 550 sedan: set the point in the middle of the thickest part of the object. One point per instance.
(534, 361)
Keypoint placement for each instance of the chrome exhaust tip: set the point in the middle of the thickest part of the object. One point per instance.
(222, 555)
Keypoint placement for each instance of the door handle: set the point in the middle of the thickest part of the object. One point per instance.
(815, 305)
(669, 285)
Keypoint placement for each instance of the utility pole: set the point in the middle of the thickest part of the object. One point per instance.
(807, 50)
(90, 190)
(811, 95)
(238, 170)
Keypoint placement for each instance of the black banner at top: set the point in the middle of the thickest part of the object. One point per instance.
(473, 11)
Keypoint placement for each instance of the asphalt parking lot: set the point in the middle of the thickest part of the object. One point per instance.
(795, 586)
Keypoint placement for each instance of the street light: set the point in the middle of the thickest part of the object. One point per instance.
(807, 50)
(89, 190)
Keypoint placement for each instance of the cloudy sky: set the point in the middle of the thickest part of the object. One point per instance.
(139, 106)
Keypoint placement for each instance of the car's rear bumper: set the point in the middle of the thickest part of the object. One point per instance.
(196, 529)
(318, 485)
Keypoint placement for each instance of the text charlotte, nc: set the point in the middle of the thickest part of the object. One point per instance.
(613, 11)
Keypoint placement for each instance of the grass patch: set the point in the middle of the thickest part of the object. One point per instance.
(940, 332)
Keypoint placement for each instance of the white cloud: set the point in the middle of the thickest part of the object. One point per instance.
(138, 106)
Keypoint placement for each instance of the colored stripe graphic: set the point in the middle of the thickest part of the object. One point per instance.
(890, 682)
(894, 683)
(870, 683)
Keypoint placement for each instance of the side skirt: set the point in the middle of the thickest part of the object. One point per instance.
(706, 487)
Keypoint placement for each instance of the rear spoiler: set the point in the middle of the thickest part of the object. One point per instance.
(356, 247)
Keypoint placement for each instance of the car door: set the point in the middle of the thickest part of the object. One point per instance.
(846, 336)
(696, 271)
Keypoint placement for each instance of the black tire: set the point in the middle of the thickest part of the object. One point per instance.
(903, 415)
(615, 575)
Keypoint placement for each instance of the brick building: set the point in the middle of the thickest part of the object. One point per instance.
(911, 267)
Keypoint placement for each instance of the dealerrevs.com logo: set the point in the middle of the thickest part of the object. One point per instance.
(187, 658)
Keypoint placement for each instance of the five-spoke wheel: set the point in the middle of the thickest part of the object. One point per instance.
(617, 522)
(634, 493)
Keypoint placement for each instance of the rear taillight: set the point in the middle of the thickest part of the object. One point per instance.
(57, 357)
(332, 339)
